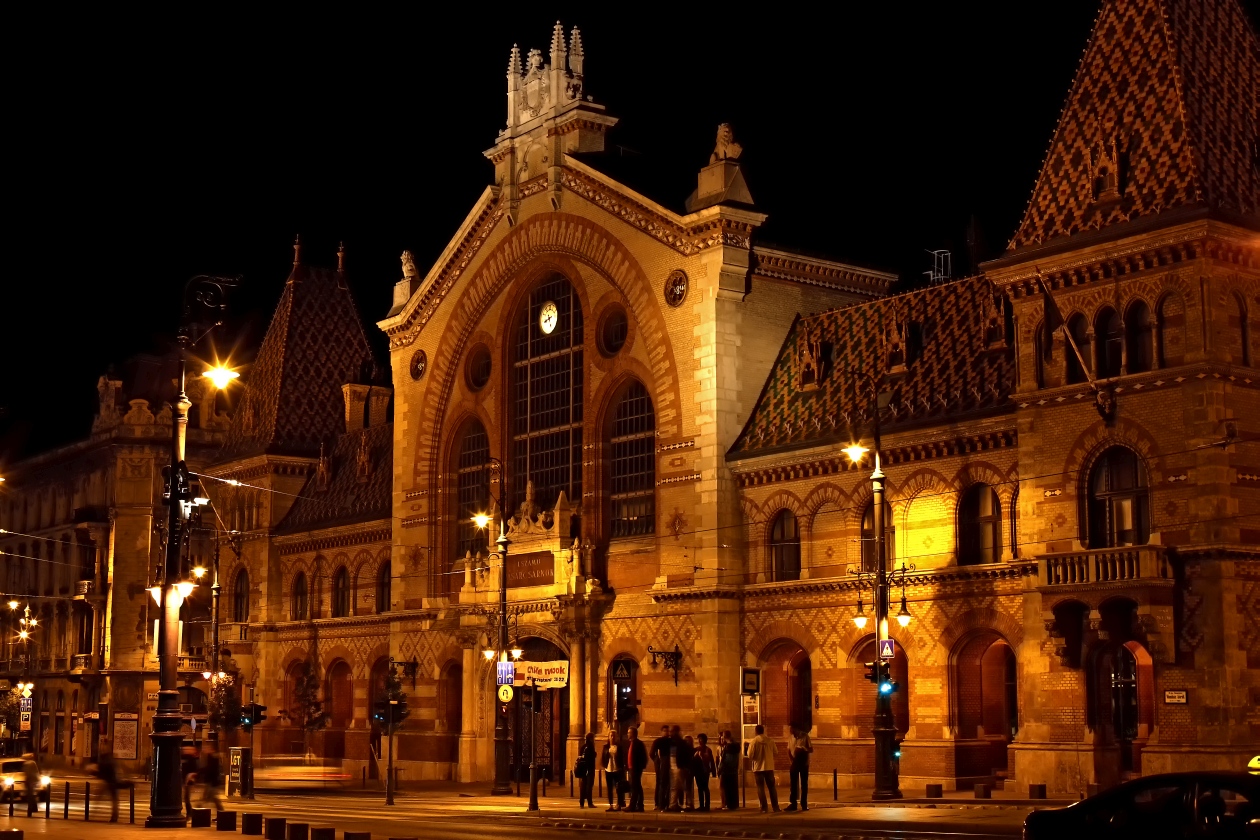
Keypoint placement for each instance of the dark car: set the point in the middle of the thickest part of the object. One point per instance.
(1173, 805)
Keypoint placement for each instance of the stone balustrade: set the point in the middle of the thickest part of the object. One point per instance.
(1107, 565)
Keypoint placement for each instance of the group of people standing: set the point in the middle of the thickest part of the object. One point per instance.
(684, 767)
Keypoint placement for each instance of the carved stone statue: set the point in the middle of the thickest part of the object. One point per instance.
(409, 266)
(727, 148)
(808, 362)
(363, 460)
(322, 472)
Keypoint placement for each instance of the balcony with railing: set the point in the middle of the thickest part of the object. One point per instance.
(83, 663)
(84, 589)
(1106, 566)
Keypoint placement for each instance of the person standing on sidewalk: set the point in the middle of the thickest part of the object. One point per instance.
(680, 753)
(636, 763)
(702, 767)
(586, 781)
(728, 771)
(660, 756)
(30, 776)
(107, 771)
(762, 758)
(799, 750)
(612, 761)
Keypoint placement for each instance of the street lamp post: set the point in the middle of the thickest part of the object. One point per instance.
(502, 740)
(202, 296)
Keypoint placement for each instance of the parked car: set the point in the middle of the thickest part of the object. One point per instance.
(1205, 804)
(14, 780)
(299, 772)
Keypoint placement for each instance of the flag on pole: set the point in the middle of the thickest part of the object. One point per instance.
(1054, 320)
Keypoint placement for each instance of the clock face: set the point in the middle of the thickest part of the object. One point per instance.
(676, 287)
(548, 317)
(419, 364)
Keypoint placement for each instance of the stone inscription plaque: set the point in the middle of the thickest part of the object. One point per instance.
(538, 568)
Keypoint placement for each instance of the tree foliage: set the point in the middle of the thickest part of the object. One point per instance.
(225, 704)
(308, 710)
(393, 690)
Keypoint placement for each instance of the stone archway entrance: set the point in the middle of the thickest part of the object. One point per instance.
(788, 688)
(986, 712)
(539, 720)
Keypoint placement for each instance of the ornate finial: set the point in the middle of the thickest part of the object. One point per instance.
(514, 61)
(297, 249)
(576, 53)
(341, 256)
(726, 148)
(557, 44)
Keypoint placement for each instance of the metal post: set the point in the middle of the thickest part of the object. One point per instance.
(65, 805)
(533, 750)
(87, 799)
(389, 773)
(250, 788)
(502, 744)
(885, 730)
(214, 636)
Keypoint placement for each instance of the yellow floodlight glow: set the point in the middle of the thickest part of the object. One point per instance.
(481, 520)
(184, 588)
(13, 605)
(23, 635)
(220, 376)
(903, 615)
(488, 654)
(517, 653)
(855, 451)
(156, 592)
(199, 572)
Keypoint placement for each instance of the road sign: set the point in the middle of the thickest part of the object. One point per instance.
(887, 650)
(505, 673)
(26, 722)
(621, 671)
(505, 694)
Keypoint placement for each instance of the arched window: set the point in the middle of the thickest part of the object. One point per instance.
(1039, 355)
(341, 593)
(1171, 325)
(979, 526)
(546, 399)
(1241, 331)
(298, 603)
(240, 597)
(472, 491)
(384, 587)
(633, 464)
(1110, 340)
(1139, 346)
(869, 548)
(1118, 504)
(785, 547)
(1080, 334)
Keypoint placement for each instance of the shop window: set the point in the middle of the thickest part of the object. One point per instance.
(1118, 502)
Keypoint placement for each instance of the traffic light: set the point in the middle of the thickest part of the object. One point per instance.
(872, 672)
(887, 685)
(260, 713)
(251, 714)
(380, 711)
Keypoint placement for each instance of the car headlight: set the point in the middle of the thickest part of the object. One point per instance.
(45, 781)
(8, 781)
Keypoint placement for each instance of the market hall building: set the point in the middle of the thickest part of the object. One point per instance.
(660, 403)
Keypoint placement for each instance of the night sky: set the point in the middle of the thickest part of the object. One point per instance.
(145, 150)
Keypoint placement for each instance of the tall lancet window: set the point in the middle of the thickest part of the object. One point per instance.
(633, 464)
(547, 396)
(473, 491)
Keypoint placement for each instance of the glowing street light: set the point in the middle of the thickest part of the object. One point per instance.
(199, 572)
(903, 615)
(481, 520)
(220, 376)
(856, 452)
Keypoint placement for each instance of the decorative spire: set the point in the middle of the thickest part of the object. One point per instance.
(576, 54)
(557, 45)
(514, 61)
(297, 249)
(341, 257)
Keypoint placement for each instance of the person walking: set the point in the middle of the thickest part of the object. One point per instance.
(107, 772)
(660, 756)
(702, 767)
(636, 763)
(212, 778)
(680, 753)
(728, 771)
(586, 781)
(799, 750)
(188, 770)
(612, 761)
(30, 776)
(762, 758)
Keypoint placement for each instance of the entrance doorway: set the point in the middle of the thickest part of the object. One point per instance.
(985, 703)
(539, 720)
(788, 688)
(623, 694)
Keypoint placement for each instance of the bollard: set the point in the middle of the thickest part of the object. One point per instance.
(11, 833)
(365, 778)
(131, 790)
(199, 817)
(87, 799)
(65, 805)
(544, 785)
(11, 803)
(251, 823)
(275, 828)
(1036, 791)
(1092, 789)
(935, 791)
(48, 804)
(323, 832)
(835, 784)
(225, 821)
(299, 831)
(982, 791)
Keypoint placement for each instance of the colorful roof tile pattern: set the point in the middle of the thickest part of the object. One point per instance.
(1162, 115)
(358, 486)
(316, 343)
(944, 348)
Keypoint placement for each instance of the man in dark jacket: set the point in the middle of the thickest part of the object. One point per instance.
(681, 752)
(660, 760)
(636, 763)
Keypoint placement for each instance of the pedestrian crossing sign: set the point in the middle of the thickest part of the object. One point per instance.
(622, 671)
(886, 649)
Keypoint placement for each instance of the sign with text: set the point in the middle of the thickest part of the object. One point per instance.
(505, 673)
(25, 726)
(750, 681)
(887, 649)
(537, 568)
(1179, 697)
(126, 737)
(543, 674)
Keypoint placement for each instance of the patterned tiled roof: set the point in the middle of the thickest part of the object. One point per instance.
(956, 363)
(1174, 85)
(316, 343)
(353, 492)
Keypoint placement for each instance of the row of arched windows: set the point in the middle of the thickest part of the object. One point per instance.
(300, 607)
(1116, 512)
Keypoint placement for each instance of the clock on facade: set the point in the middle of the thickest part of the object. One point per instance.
(419, 363)
(548, 317)
(676, 287)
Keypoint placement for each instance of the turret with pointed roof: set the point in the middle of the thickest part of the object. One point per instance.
(1161, 119)
(315, 344)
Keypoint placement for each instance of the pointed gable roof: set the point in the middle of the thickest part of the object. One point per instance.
(955, 369)
(351, 496)
(1174, 85)
(315, 344)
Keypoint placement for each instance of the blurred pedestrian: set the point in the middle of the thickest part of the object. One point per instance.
(728, 771)
(636, 763)
(762, 759)
(188, 772)
(680, 757)
(586, 781)
(212, 778)
(107, 772)
(612, 761)
(799, 750)
(702, 767)
(660, 756)
(30, 775)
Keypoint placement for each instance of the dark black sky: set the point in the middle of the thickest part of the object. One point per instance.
(144, 150)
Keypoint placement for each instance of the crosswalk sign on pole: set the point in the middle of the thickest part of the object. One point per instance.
(886, 649)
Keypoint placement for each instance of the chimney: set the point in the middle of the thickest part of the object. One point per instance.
(367, 406)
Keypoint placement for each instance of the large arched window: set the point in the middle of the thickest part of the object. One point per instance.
(341, 593)
(979, 526)
(1118, 511)
(869, 547)
(546, 395)
(472, 492)
(298, 604)
(384, 587)
(1139, 343)
(785, 547)
(633, 464)
(1109, 335)
(1079, 331)
(240, 597)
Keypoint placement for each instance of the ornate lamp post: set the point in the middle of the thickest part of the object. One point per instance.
(502, 741)
(204, 303)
